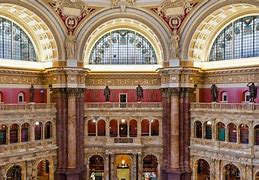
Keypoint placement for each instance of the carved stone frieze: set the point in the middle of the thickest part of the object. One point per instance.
(123, 79)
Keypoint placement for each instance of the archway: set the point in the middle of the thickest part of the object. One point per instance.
(3, 134)
(133, 128)
(96, 167)
(154, 127)
(256, 135)
(145, 127)
(257, 176)
(113, 128)
(25, 133)
(123, 128)
(14, 137)
(198, 129)
(231, 172)
(203, 169)
(150, 164)
(38, 130)
(101, 128)
(48, 130)
(221, 131)
(208, 130)
(244, 133)
(43, 170)
(91, 126)
(232, 130)
(14, 173)
(123, 165)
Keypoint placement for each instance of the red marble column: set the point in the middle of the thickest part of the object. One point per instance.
(166, 101)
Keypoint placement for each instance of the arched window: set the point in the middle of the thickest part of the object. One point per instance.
(3, 134)
(208, 130)
(232, 130)
(91, 126)
(224, 97)
(123, 129)
(38, 130)
(123, 47)
(257, 176)
(239, 39)
(25, 133)
(244, 133)
(133, 128)
(113, 128)
(256, 135)
(203, 169)
(101, 128)
(198, 129)
(221, 131)
(48, 130)
(21, 97)
(231, 172)
(14, 43)
(145, 127)
(14, 130)
(43, 170)
(14, 173)
(154, 127)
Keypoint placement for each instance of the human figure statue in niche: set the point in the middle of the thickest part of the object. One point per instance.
(252, 91)
(32, 93)
(70, 46)
(139, 92)
(107, 93)
(174, 45)
(214, 93)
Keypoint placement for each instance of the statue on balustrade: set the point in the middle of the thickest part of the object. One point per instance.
(214, 93)
(32, 93)
(139, 92)
(252, 91)
(107, 93)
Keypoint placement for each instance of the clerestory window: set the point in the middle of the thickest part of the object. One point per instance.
(14, 43)
(123, 47)
(239, 39)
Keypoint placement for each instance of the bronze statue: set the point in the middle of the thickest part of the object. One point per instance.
(139, 92)
(107, 93)
(252, 91)
(32, 93)
(214, 93)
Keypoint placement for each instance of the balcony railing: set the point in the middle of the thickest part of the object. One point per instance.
(26, 106)
(226, 106)
(123, 105)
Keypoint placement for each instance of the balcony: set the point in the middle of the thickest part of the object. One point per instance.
(116, 105)
(26, 107)
(225, 106)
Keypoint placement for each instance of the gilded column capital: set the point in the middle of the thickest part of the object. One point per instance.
(72, 92)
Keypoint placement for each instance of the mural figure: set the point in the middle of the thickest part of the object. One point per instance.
(70, 46)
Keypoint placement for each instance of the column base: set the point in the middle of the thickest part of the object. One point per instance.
(175, 174)
(70, 174)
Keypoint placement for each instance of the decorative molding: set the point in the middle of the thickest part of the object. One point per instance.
(123, 4)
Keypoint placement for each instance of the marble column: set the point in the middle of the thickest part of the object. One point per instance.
(113, 169)
(71, 115)
(140, 166)
(106, 166)
(174, 129)
(134, 167)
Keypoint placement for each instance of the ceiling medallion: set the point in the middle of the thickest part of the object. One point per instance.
(71, 11)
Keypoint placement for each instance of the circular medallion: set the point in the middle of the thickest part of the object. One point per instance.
(71, 22)
(175, 22)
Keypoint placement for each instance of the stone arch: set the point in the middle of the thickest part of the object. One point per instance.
(232, 165)
(142, 18)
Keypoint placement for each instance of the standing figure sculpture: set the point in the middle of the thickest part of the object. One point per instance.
(214, 93)
(32, 93)
(252, 91)
(107, 93)
(70, 46)
(139, 92)
(174, 45)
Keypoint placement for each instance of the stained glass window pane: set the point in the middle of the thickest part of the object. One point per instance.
(14, 43)
(123, 47)
(239, 39)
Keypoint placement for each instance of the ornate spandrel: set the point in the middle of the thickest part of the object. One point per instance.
(72, 12)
